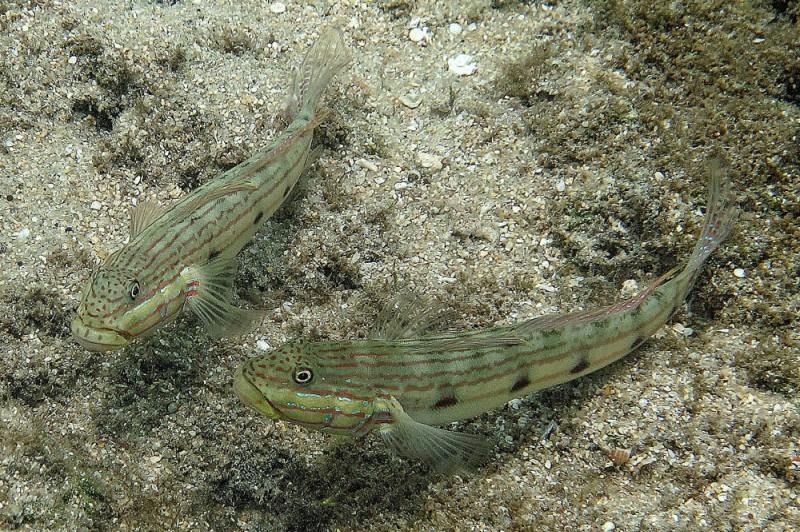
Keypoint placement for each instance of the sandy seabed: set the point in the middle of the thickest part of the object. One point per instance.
(506, 158)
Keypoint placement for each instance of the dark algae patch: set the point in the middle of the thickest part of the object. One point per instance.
(773, 366)
(342, 487)
(39, 309)
(147, 383)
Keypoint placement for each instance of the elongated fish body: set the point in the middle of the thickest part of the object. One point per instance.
(186, 255)
(400, 385)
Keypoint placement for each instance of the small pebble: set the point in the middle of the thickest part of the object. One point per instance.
(561, 186)
(277, 7)
(412, 102)
(455, 28)
(461, 65)
(739, 272)
(630, 288)
(682, 329)
(263, 345)
(368, 165)
(96, 205)
(72, 60)
(429, 161)
(418, 35)
(608, 526)
(24, 233)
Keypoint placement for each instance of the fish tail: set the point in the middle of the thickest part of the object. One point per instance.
(720, 217)
(322, 62)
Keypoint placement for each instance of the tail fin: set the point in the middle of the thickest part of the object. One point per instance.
(720, 217)
(322, 62)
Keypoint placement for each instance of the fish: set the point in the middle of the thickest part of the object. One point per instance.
(184, 256)
(400, 383)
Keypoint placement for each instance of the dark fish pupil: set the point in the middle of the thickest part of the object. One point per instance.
(303, 376)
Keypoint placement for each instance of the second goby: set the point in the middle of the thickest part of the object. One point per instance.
(185, 256)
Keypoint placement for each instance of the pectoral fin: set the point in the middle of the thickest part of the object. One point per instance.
(212, 299)
(443, 450)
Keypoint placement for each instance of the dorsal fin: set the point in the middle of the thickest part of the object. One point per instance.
(526, 328)
(143, 214)
(218, 192)
(405, 316)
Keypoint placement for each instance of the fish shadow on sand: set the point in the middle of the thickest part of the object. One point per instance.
(352, 482)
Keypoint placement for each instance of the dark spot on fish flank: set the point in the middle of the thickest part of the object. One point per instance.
(639, 340)
(581, 366)
(657, 295)
(635, 311)
(521, 383)
(549, 333)
(258, 217)
(286, 191)
(214, 254)
(600, 324)
(445, 402)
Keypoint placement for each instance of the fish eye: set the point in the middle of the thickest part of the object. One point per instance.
(134, 289)
(303, 375)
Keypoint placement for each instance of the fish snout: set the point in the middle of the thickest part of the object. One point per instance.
(252, 396)
(96, 339)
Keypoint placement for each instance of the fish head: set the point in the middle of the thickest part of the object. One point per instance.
(97, 323)
(290, 384)
(118, 307)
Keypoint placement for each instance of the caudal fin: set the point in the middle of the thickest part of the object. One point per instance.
(322, 62)
(720, 217)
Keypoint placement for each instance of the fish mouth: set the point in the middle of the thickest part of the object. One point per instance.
(94, 339)
(252, 396)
